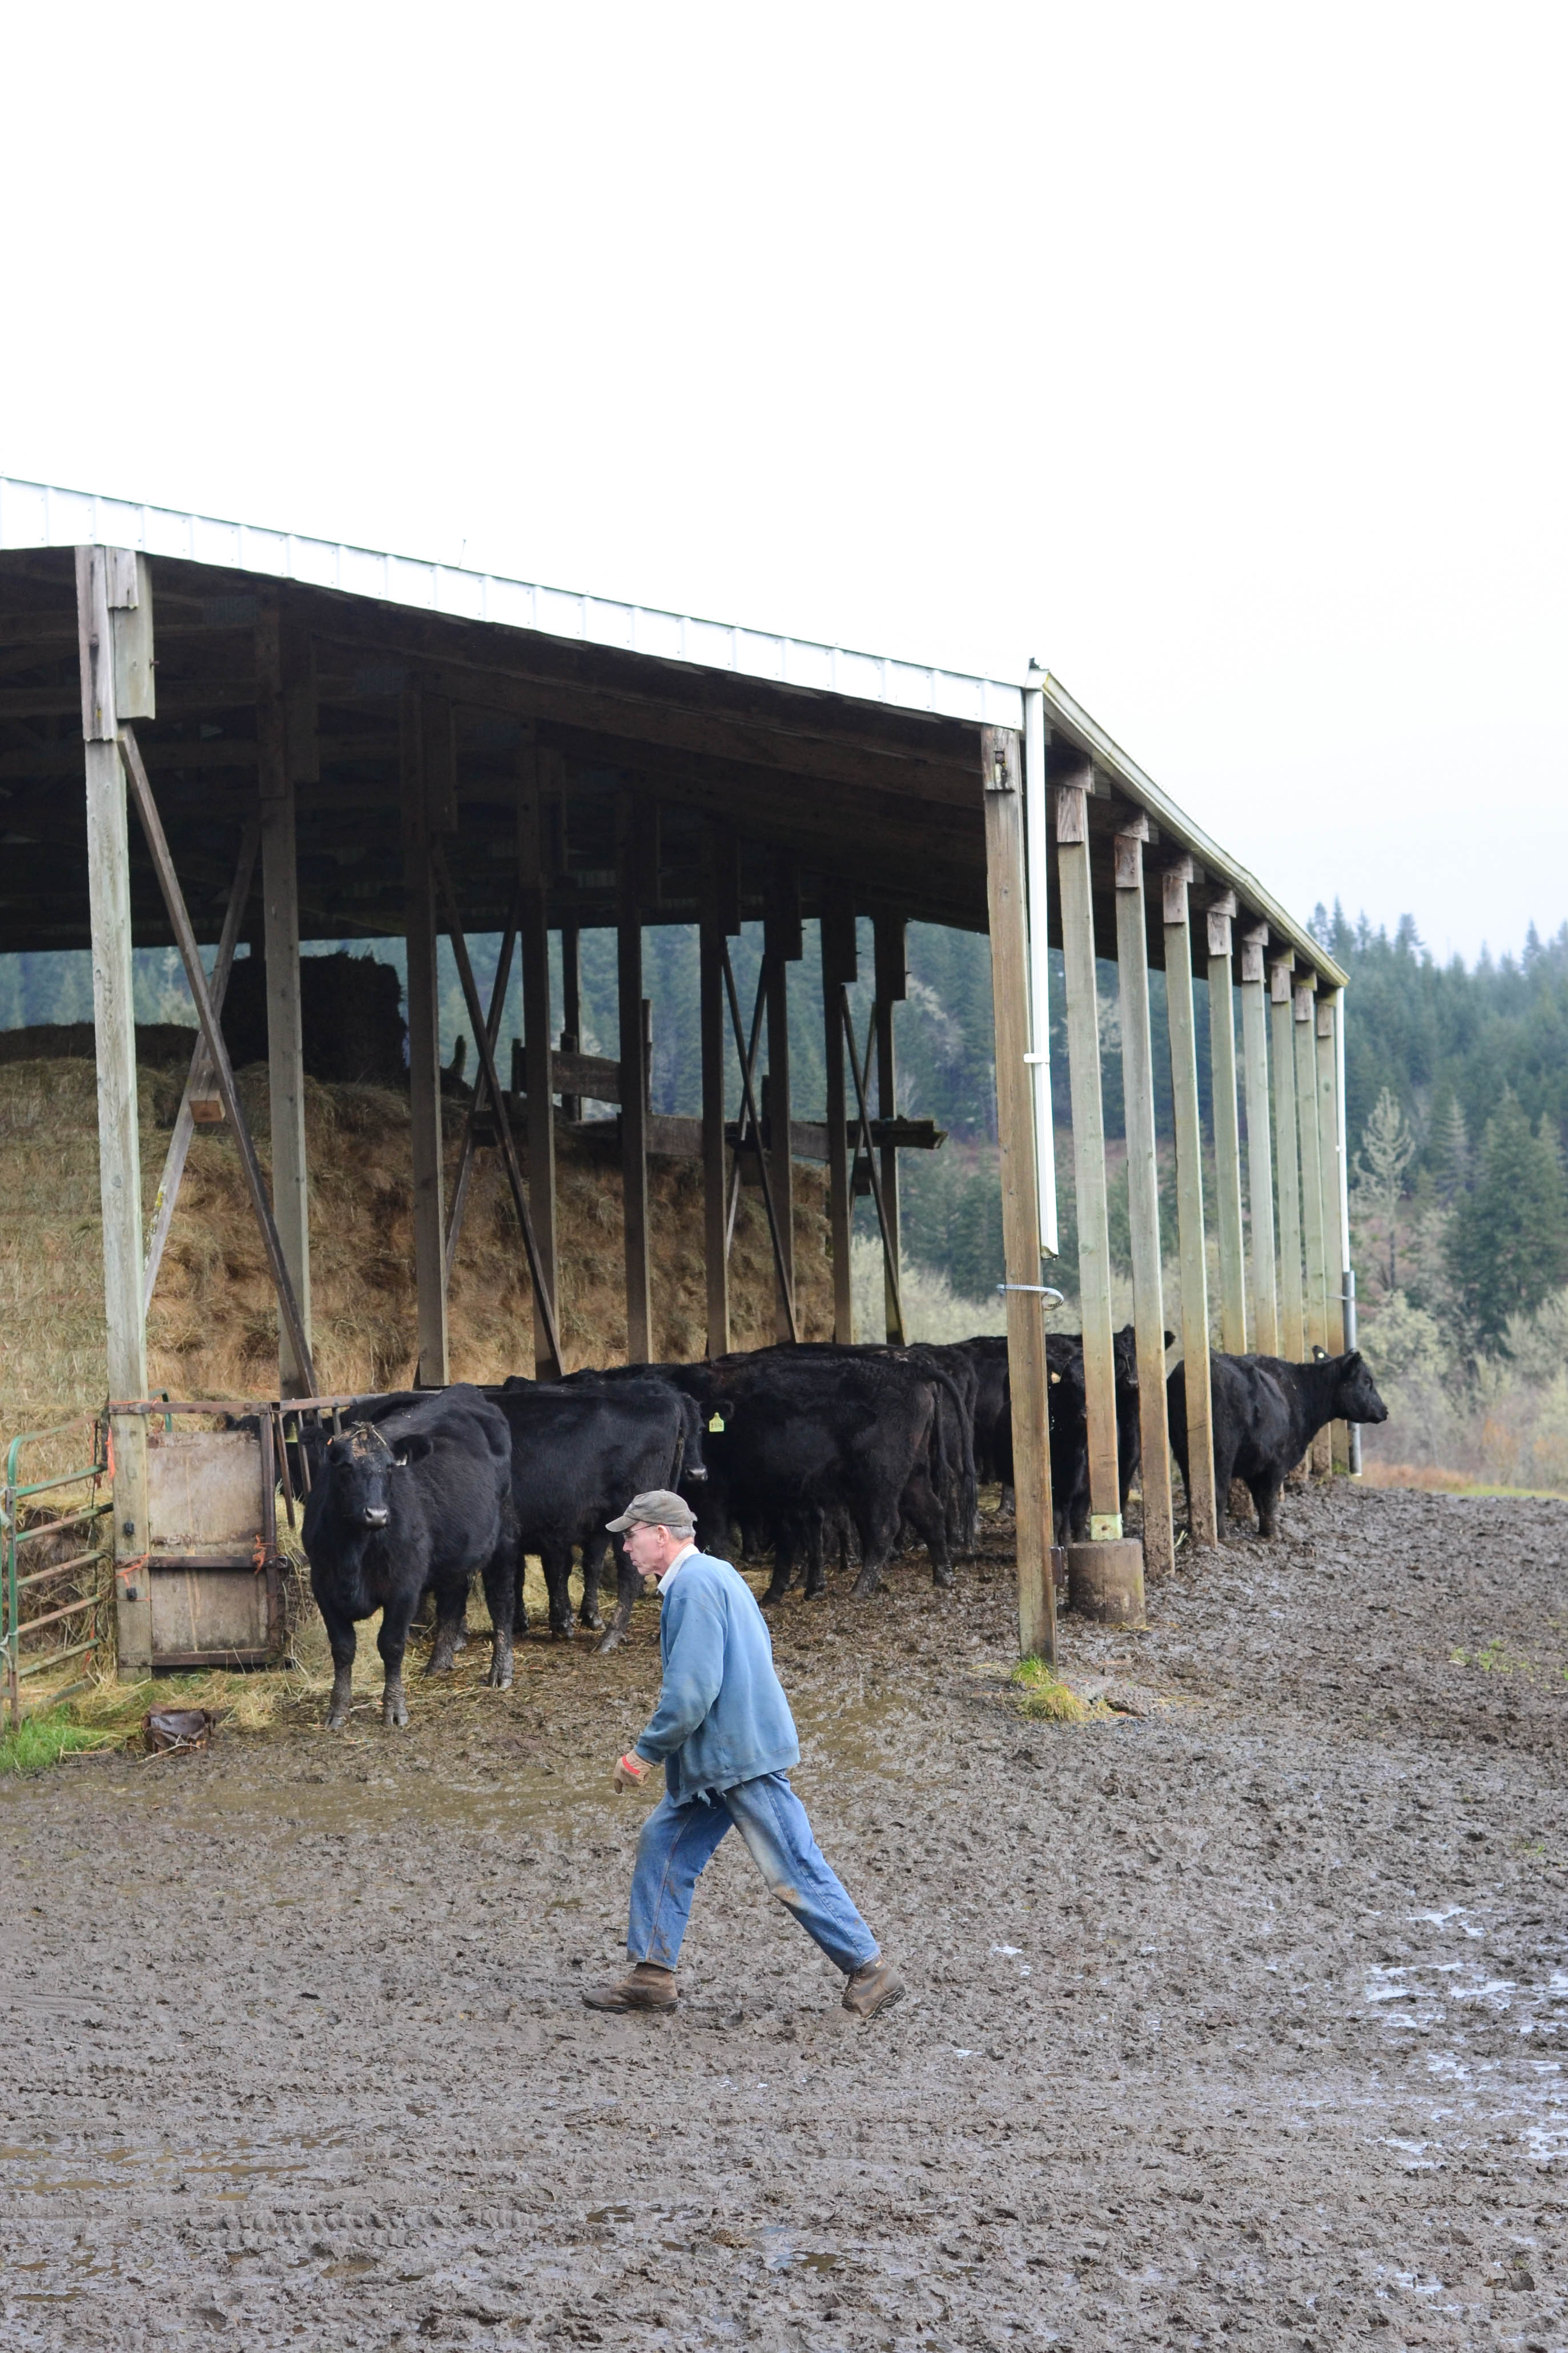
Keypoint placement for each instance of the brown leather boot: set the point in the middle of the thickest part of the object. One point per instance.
(645, 1986)
(875, 1985)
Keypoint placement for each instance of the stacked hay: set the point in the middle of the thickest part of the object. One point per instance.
(212, 1331)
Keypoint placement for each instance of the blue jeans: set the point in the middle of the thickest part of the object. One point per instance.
(677, 1840)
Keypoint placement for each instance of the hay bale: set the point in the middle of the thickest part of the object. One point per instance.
(351, 1013)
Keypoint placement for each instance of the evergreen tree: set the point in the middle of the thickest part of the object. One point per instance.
(1387, 1148)
(1508, 1244)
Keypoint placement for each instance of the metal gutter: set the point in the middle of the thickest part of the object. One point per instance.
(1071, 719)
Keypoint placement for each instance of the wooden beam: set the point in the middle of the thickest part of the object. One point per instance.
(1144, 1203)
(1077, 894)
(1335, 1249)
(197, 981)
(481, 1111)
(1304, 1007)
(719, 896)
(200, 1081)
(118, 1134)
(631, 863)
(1259, 1144)
(1190, 1203)
(1227, 1136)
(430, 1371)
(892, 986)
(1292, 1318)
(277, 668)
(533, 936)
(1001, 780)
(571, 1007)
(840, 970)
(782, 946)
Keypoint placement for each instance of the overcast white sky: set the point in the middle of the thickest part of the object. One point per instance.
(1215, 354)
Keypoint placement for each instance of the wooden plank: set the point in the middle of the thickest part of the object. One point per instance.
(1190, 1203)
(130, 628)
(572, 1011)
(482, 1113)
(196, 982)
(119, 1135)
(1336, 1250)
(1227, 1136)
(782, 946)
(1077, 896)
(423, 1055)
(840, 969)
(892, 986)
(1287, 1167)
(630, 871)
(533, 936)
(716, 852)
(1304, 1007)
(1259, 1142)
(285, 1031)
(1002, 777)
(1143, 1204)
(544, 1309)
(746, 1052)
(199, 1079)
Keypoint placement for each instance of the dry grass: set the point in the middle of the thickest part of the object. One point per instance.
(212, 1331)
(1429, 1480)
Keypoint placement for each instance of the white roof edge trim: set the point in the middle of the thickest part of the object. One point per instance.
(41, 514)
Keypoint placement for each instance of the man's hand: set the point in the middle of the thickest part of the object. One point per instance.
(630, 1773)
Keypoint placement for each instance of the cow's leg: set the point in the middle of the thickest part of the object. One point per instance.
(344, 1642)
(1265, 1489)
(816, 1567)
(877, 1531)
(627, 1584)
(1223, 1471)
(783, 1568)
(500, 1600)
(451, 1605)
(556, 1562)
(396, 1617)
(922, 1507)
(594, 1552)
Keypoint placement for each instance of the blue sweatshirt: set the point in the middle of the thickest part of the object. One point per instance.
(722, 1716)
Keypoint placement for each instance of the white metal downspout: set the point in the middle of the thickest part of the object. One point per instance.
(1348, 1272)
(1036, 840)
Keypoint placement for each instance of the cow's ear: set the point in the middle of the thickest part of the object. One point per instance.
(1055, 1379)
(1320, 1353)
(1355, 1361)
(412, 1450)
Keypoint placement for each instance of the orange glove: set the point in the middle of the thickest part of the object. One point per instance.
(630, 1773)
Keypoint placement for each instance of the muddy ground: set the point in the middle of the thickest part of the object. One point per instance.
(1238, 2020)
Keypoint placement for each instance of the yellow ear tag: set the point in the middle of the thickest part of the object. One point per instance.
(717, 1421)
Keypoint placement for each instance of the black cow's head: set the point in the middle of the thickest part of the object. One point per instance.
(1355, 1393)
(363, 1463)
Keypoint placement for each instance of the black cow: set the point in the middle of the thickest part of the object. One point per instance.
(581, 1449)
(1266, 1413)
(420, 1496)
(992, 1413)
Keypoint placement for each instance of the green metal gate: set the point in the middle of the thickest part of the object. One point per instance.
(75, 1510)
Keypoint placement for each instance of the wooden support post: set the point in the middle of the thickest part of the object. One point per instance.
(719, 919)
(119, 1136)
(892, 986)
(1143, 1195)
(782, 946)
(421, 721)
(1335, 1252)
(840, 969)
(631, 842)
(571, 1007)
(283, 672)
(1312, 1229)
(1002, 774)
(1292, 1316)
(1226, 1128)
(1259, 1145)
(533, 936)
(1190, 1201)
(1088, 1157)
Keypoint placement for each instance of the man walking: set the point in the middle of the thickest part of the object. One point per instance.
(724, 1735)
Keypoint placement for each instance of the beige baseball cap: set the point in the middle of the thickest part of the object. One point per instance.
(659, 1508)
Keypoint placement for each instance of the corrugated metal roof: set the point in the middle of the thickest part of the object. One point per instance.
(38, 514)
(41, 514)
